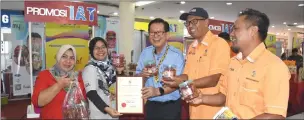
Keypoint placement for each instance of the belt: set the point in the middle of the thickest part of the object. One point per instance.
(167, 102)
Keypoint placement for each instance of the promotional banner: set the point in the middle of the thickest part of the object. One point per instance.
(21, 55)
(5, 17)
(64, 12)
(75, 35)
(271, 43)
(108, 28)
(218, 26)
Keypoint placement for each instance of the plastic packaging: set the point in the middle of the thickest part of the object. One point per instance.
(118, 60)
(151, 66)
(169, 72)
(188, 90)
(74, 105)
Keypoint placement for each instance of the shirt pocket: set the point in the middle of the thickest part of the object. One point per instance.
(249, 94)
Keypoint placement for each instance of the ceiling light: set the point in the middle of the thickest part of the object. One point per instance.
(151, 17)
(141, 3)
(301, 5)
(98, 11)
(228, 3)
(115, 13)
(278, 33)
(272, 26)
(241, 12)
(289, 29)
(181, 11)
(211, 17)
(300, 26)
(182, 2)
(284, 23)
(295, 23)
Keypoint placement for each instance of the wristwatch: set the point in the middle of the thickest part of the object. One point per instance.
(161, 91)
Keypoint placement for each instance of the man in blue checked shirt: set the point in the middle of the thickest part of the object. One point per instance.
(162, 102)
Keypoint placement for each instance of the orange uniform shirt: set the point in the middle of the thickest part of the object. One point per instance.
(256, 85)
(209, 57)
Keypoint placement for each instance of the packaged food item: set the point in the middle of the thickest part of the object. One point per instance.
(74, 105)
(169, 72)
(225, 114)
(188, 90)
(151, 66)
(118, 60)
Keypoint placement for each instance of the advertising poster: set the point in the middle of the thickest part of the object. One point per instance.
(21, 55)
(61, 34)
(108, 28)
(218, 26)
(271, 43)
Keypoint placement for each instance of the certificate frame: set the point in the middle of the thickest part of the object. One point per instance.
(122, 107)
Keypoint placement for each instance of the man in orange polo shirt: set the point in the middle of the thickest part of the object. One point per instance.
(257, 84)
(207, 60)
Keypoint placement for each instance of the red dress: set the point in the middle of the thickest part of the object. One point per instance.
(52, 110)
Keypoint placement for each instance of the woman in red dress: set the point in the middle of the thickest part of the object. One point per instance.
(52, 85)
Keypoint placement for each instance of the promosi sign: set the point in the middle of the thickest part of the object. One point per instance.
(61, 12)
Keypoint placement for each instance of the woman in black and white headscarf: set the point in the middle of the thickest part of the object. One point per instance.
(98, 76)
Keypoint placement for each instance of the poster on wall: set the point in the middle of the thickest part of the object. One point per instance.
(108, 28)
(271, 43)
(218, 26)
(61, 34)
(21, 55)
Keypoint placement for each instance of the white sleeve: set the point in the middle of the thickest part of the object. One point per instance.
(89, 76)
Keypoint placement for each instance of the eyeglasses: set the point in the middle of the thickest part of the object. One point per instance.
(100, 48)
(159, 33)
(193, 22)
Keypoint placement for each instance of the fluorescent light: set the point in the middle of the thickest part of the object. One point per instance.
(300, 26)
(151, 17)
(141, 3)
(272, 26)
(228, 3)
(289, 29)
(211, 17)
(301, 5)
(241, 12)
(295, 23)
(182, 2)
(115, 13)
(284, 23)
(181, 11)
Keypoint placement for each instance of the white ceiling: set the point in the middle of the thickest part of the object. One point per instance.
(277, 11)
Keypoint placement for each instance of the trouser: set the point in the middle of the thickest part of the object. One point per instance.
(163, 110)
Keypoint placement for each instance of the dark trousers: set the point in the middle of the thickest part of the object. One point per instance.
(163, 110)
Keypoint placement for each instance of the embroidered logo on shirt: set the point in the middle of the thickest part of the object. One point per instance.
(231, 69)
(205, 54)
(253, 73)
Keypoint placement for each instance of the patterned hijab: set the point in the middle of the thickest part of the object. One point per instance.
(57, 71)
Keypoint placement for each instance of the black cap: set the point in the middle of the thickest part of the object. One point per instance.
(201, 12)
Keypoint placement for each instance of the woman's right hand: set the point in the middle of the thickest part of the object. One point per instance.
(112, 112)
(64, 81)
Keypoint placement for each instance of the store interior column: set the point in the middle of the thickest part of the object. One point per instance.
(291, 36)
(126, 36)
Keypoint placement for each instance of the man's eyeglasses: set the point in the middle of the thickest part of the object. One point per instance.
(193, 22)
(159, 33)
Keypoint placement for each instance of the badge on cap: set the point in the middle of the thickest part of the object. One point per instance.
(193, 10)
(253, 73)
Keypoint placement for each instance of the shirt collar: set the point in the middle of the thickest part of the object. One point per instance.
(252, 57)
(163, 50)
(206, 41)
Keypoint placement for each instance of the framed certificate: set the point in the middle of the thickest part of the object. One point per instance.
(129, 98)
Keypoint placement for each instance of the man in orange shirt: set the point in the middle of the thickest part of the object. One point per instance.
(257, 84)
(207, 60)
(226, 37)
